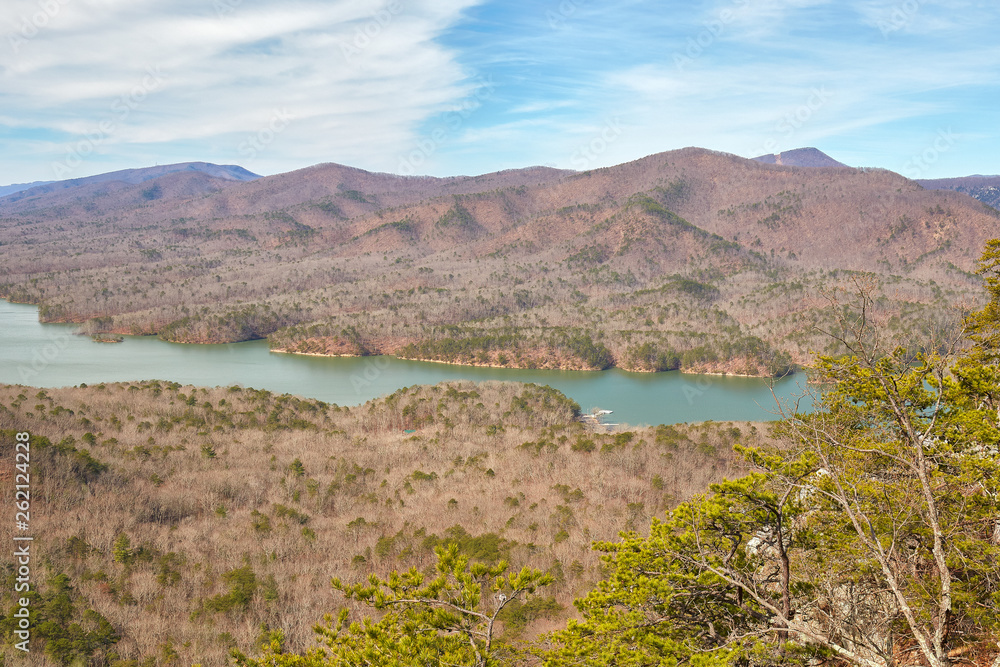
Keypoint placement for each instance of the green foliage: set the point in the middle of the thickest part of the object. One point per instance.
(650, 356)
(488, 547)
(284, 512)
(243, 584)
(536, 448)
(59, 629)
(517, 614)
(77, 547)
(984, 324)
(693, 288)
(168, 569)
(588, 257)
(152, 192)
(445, 618)
(473, 345)
(81, 464)
(405, 226)
(353, 195)
(457, 216)
(261, 522)
(872, 528)
(122, 550)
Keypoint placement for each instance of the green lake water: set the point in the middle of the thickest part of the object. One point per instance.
(50, 355)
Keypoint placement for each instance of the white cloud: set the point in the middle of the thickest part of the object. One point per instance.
(538, 107)
(357, 78)
(364, 84)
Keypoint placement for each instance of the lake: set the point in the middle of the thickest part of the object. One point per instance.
(50, 355)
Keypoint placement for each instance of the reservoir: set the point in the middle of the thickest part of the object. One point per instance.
(50, 355)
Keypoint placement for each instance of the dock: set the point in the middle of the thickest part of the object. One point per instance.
(595, 421)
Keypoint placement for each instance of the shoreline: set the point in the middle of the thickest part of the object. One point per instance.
(525, 368)
(437, 361)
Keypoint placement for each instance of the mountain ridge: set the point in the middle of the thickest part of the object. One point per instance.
(801, 157)
(18, 187)
(690, 258)
(130, 177)
(984, 188)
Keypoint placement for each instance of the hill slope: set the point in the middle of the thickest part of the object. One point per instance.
(82, 186)
(691, 259)
(18, 187)
(801, 157)
(153, 502)
(984, 188)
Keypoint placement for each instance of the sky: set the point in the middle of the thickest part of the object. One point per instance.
(447, 87)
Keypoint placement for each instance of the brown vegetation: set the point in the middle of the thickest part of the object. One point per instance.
(194, 520)
(689, 259)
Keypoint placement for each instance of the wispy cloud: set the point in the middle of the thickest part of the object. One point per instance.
(364, 81)
(225, 73)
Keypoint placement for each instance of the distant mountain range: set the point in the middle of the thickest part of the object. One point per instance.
(131, 177)
(18, 187)
(692, 255)
(800, 157)
(984, 188)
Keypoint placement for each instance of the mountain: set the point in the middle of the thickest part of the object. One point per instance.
(801, 157)
(689, 258)
(984, 188)
(130, 177)
(17, 187)
(355, 191)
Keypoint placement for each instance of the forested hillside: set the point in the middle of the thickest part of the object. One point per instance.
(984, 188)
(866, 533)
(689, 259)
(173, 524)
(456, 524)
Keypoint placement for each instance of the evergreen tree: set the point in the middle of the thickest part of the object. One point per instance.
(870, 534)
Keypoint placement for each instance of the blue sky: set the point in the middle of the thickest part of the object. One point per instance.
(448, 87)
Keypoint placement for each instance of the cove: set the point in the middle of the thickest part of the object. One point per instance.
(50, 355)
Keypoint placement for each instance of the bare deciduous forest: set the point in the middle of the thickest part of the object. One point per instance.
(175, 523)
(178, 523)
(689, 259)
